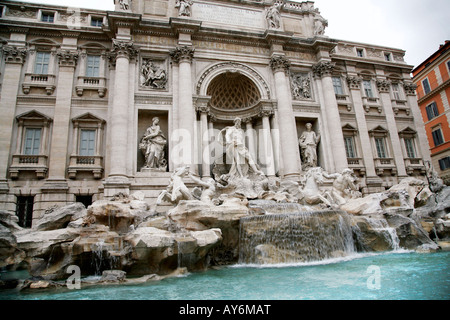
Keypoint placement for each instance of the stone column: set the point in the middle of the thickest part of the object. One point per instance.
(122, 52)
(410, 91)
(384, 90)
(56, 182)
(205, 153)
(290, 153)
(354, 84)
(267, 146)
(185, 137)
(14, 60)
(322, 73)
(249, 132)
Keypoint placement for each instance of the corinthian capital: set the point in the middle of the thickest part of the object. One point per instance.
(184, 53)
(410, 88)
(324, 68)
(123, 49)
(14, 54)
(280, 63)
(68, 58)
(383, 85)
(354, 82)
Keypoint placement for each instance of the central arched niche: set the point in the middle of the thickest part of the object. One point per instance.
(233, 91)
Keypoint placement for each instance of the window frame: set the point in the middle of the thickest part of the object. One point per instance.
(368, 91)
(439, 137)
(45, 13)
(36, 142)
(360, 53)
(446, 162)
(351, 139)
(46, 55)
(90, 150)
(341, 87)
(93, 67)
(427, 87)
(97, 19)
(410, 146)
(432, 111)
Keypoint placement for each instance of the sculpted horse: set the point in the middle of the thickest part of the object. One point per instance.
(311, 193)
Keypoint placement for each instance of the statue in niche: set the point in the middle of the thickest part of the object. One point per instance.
(301, 86)
(273, 16)
(308, 143)
(241, 159)
(152, 147)
(153, 76)
(184, 7)
(176, 190)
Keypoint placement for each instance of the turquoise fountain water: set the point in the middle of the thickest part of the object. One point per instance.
(402, 275)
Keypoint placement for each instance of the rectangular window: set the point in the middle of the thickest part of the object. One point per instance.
(410, 149)
(350, 147)
(432, 111)
(24, 210)
(438, 138)
(368, 88)
(360, 53)
(41, 63)
(337, 83)
(96, 22)
(87, 143)
(32, 143)
(387, 56)
(396, 91)
(444, 164)
(93, 66)
(426, 86)
(48, 17)
(381, 148)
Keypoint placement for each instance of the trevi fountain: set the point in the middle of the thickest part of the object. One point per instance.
(236, 222)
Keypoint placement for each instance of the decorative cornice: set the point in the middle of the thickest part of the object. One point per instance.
(13, 54)
(323, 69)
(383, 85)
(266, 111)
(354, 82)
(280, 63)
(67, 58)
(182, 54)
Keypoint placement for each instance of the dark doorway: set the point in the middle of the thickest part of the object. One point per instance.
(24, 210)
(86, 200)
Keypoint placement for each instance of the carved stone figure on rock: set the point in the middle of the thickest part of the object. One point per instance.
(344, 187)
(310, 193)
(152, 146)
(176, 190)
(209, 191)
(153, 76)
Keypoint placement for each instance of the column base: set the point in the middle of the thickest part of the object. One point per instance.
(4, 187)
(116, 184)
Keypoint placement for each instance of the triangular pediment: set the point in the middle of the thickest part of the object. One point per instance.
(379, 129)
(408, 130)
(349, 127)
(87, 117)
(33, 115)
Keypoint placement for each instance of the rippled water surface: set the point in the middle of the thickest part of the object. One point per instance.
(391, 276)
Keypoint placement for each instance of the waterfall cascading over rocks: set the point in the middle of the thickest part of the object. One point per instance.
(295, 237)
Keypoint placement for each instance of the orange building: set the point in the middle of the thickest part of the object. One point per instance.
(432, 78)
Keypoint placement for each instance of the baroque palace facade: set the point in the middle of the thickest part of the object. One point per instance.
(82, 91)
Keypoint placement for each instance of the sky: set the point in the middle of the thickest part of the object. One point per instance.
(417, 26)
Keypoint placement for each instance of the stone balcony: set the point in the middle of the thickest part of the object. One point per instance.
(31, 163)
(91, 83)
(39, 81)
(385, 164)
(357, 165)
(92, 164)
(414, 164)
